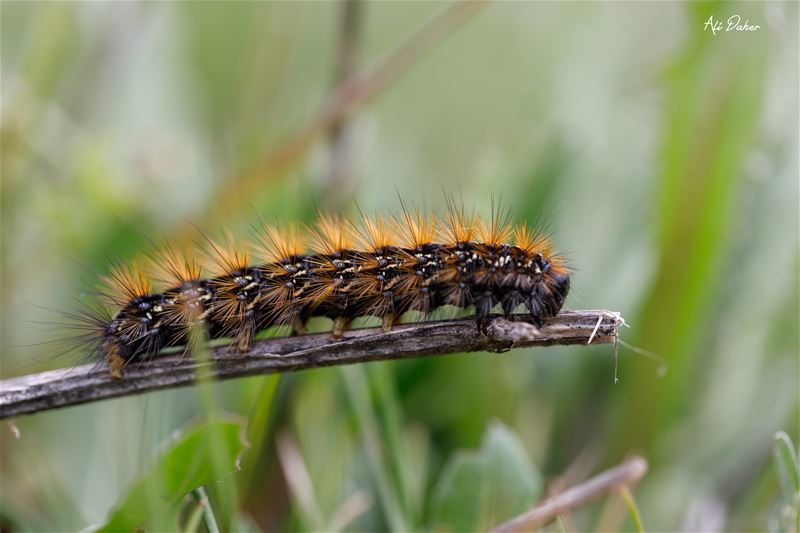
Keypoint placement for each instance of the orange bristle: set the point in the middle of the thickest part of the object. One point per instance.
(281, 245)
(498, 230)
(331, 236)
(375, 234)
(227, 257)
(559, 264)
(281, 294)
(185, 302)
(235, 289)
(125, 283)
(532, 240)
(456, 225)
(415, 229)
(174, 268)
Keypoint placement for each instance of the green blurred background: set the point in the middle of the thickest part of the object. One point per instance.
(663, 158)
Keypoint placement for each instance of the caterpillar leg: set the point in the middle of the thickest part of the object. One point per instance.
(340, 325)
(298, 327)
(388, 322)
(115, 363)
(483, 325)
(243, 344)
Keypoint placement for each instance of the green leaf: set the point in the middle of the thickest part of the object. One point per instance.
(188, 463)
(482, 488)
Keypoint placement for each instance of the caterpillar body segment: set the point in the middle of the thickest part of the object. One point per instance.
(383, 268)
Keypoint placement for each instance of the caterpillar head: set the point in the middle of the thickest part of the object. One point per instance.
(549, 278)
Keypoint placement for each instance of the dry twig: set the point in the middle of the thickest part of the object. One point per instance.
(88, 383)
(621, 476)
(337, 187)
(354, 92)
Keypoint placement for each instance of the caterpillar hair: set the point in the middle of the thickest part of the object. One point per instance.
(380, 267)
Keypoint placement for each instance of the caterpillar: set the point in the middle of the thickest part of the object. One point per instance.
(381, 267)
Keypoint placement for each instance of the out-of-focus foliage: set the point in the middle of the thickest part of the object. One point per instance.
(664, 159)
(481, 489)
(202, 456)
(787, 462)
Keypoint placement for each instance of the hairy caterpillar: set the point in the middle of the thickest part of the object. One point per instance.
(381, 267)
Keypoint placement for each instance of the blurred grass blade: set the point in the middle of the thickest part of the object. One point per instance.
(210, 520)
(788, 465)
(358, 390)
(382, 381)
(630, 502)
(712, 115)
(195, 517)
(187, 464)
(352, 508)
(225, 493)
(259, 421)
(299, 482)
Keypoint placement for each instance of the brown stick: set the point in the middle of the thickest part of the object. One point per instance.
(89, 383)
(350, 95)
(624, 475)
(338, 169)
